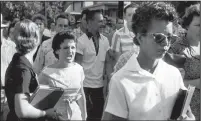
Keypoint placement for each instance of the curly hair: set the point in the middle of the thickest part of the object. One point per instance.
(59, 39)
(193, 10)
(26, 36)
(147, 11)
(39, 17)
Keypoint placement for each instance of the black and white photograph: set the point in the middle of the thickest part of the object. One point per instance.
(100, 60)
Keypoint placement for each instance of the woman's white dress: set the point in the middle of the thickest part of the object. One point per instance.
(70, 79)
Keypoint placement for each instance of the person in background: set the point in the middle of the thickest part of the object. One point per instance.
(146, 87)
(77, 31)
(20, 79)
(41, 21)
(66, 74)
(91, 52)
(52, 29)
(83, 25)
(7, 51)
(189, 47)
(122, 39)
(11, 28)
(45, 54)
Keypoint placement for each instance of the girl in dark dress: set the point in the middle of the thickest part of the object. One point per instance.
(20, 79)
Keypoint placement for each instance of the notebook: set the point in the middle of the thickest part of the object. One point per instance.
(45, 97)
(182, 102)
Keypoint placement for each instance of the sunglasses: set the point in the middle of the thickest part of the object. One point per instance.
(161, 38)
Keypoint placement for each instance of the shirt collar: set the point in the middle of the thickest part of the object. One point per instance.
(89, 34)
(127, 31)
(133, 65)
(134, 62)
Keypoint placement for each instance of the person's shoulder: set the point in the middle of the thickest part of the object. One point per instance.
(77, 65)
(119, 31)
(9, 42)
(45, 37)
(169, 68)
(48, 41)
(47, 45)
(179, 46)
(119, 76)
(83, 37)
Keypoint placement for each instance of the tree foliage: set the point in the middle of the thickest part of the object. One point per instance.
(20, 9)
(26, 9)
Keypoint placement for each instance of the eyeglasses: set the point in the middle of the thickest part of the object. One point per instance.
(160, 38)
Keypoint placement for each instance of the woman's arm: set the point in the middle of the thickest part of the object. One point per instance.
(82, 104)
(194, 82)
(24, 109)
(175, 59)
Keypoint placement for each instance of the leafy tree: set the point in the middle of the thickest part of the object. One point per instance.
(26, 9)
(19, 9)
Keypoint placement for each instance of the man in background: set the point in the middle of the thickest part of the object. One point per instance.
(91, 51)
(83, 24)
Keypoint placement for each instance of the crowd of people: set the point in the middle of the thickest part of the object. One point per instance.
(134, 75)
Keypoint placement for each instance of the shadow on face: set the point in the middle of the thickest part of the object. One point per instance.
(148, 44)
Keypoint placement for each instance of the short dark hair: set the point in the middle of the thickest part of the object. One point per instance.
(91, 13)
(130, 6)
(193, 10)
(152, 10)
(39, 17)
(84, 12)
(62, 15)
(59, 39)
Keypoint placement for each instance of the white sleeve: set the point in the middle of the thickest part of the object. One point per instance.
(116, 42)
(82, 75)
(80, 46)
(117, 103)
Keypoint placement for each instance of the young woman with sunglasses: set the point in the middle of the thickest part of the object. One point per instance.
(147, 87)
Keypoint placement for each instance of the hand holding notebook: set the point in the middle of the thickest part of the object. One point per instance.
(45, 97)
(182, 103)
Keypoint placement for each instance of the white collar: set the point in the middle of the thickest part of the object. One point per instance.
(132, 65)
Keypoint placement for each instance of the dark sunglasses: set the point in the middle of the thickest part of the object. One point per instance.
(160, 38)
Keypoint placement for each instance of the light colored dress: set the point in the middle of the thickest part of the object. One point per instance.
(70, 79)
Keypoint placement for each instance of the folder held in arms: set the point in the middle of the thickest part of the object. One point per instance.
(45, 97)
(182, 102)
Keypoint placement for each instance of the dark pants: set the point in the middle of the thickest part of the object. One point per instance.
(95, 103)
